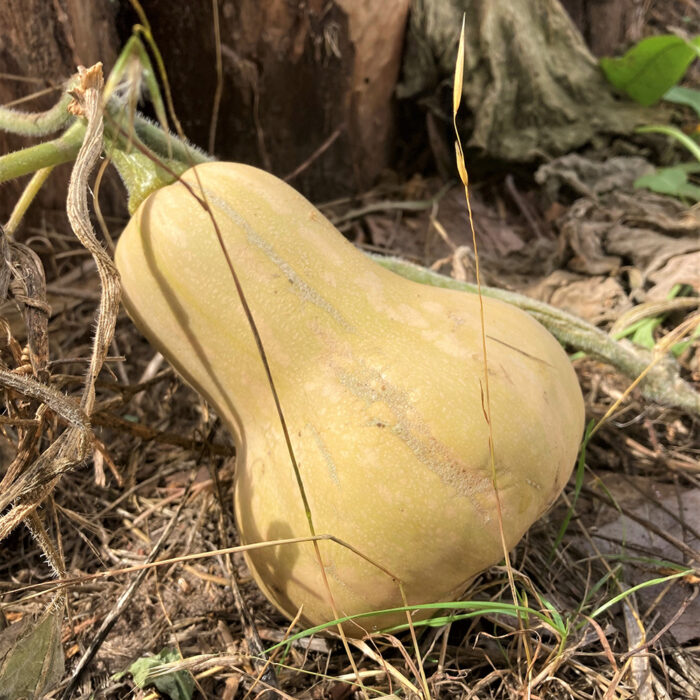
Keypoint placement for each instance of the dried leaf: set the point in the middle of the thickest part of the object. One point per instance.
(31, 657)
(681, 269)
(595, 299)
(676, 512)
(589, 177)
(648, 250)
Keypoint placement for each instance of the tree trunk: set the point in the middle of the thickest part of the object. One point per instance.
(607, 24)
(531, 89)
(296, 77)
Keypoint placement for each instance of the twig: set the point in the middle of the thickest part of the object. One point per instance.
(316, 154)
(146, 433)
(415, 205)
(524, 206)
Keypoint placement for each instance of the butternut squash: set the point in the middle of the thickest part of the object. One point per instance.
(380, 380)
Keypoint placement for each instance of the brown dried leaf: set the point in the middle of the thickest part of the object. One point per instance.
(676, 512)
(584, 234)
(648, 250)
(681, 269)
(595, 299)
(590, 178)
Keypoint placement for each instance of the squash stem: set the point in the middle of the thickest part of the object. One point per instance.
(142, 171)
(161, 142)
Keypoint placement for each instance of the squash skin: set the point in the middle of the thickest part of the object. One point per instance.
(380, 382)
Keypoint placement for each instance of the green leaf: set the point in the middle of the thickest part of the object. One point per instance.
(672, 181)
(31, 657)
(644, 335)
(177, 685)
(690, 168)
(684, 96)
(651, 67)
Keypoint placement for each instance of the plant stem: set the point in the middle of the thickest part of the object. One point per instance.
(30, 191)
(28, 160)
(163, 143)
(36, 123)
(661, 384)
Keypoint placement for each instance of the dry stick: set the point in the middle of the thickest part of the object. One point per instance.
(30, 290)
(45, 586)
(147, 433)
(647, 524)
(71, 447)
(61, 455)
(316, 154)
(122, 602)
(267, 668)
(88, 103)
(643, 647)
(34, 524)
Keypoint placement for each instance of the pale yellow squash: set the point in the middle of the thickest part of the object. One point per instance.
(380, 380)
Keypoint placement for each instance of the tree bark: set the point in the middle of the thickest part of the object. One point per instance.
(607, 24)
(297, 76)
